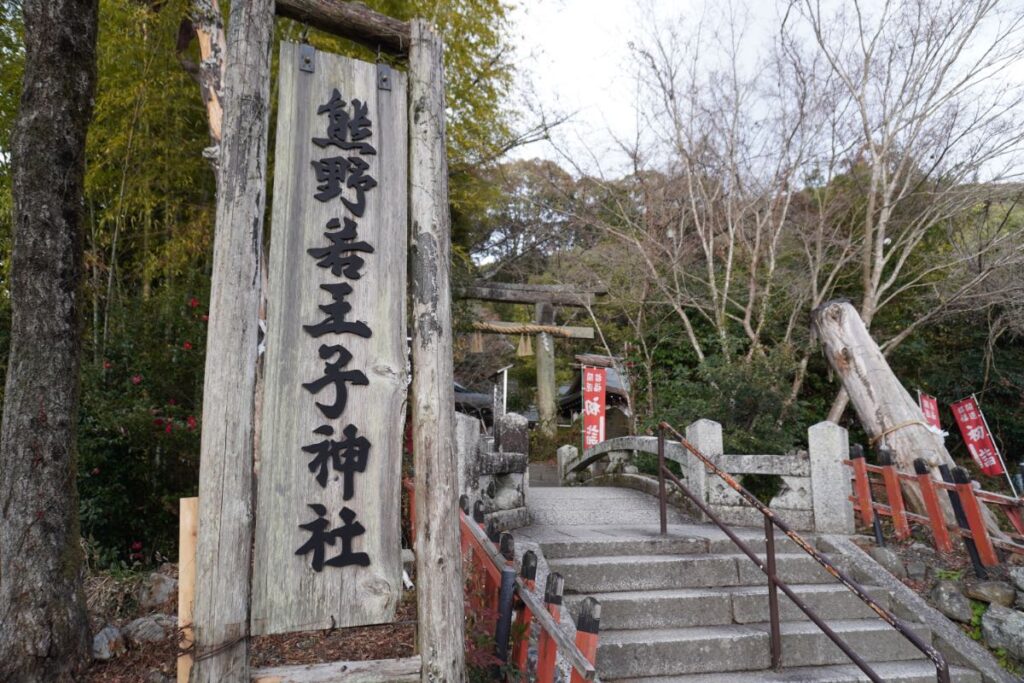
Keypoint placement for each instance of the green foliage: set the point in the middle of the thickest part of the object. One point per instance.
(139, 426)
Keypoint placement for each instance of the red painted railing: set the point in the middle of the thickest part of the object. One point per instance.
(489, 557)
(962, 494)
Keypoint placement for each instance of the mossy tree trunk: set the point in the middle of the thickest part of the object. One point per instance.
(45, 633)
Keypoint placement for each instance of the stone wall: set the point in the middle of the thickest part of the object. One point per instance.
(493, 469)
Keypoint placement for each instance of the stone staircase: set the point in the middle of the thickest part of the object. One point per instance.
(690, 607)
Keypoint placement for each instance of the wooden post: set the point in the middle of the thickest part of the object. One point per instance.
(546, 371)
(438, 569)
(521, 649)
(587, 626)
(862, 485)
(547, 648)
(975, 520)
(931, 502)
(891, 478)
(224, 546)
(188, 525)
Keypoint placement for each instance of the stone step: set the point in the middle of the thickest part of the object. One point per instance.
(610, 546)
(645, 572)
(893, 672)
(683, 607)
(612, 573)
(720, 649)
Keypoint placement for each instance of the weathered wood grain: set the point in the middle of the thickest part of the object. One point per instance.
(438, 561)
(528, 294)
(372, 671)
(352, 20)
(223, 554)
(188, 526)
(287, 594)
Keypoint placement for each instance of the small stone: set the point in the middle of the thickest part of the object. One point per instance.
(998, 592)
(889, 560)
(108, 643)
(1017, 577)
(157, 677)
(151, 629)
(156, 590)
(917, 570)
(947, 598)
(1019, 603)
(1004, 628)
(304, 644)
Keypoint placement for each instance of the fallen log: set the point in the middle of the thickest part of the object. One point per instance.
(889, 414)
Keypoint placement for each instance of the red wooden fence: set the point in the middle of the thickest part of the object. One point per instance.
(890, 480)
(482, 561)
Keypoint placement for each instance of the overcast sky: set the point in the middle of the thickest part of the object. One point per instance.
(574, 58)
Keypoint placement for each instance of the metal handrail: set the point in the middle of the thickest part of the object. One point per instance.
(771, 520)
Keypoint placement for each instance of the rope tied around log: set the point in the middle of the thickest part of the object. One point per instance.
(524, 328)
(909, 423)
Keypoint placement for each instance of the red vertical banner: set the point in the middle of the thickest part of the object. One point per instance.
(593, 406)
(976, 436)
(930, 409)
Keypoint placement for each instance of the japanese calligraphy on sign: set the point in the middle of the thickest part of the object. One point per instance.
(975, 432)
(327, 550)
(930, 409)
(593, 406)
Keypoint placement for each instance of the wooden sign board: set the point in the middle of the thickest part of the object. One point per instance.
(328, 547)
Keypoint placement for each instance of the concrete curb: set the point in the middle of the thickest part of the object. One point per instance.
(953, 643)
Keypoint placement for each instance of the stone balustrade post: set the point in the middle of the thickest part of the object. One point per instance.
(567, 455)
(829, 445)
(706, 436)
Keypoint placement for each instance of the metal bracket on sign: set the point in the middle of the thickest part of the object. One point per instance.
(307, 55)
(383, 76)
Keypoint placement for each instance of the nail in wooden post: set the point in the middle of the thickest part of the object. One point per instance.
(891, 478)
(931, 504)
(975, 520)
(524, 619)
(587, 626)
(546, 647)
(861, 484)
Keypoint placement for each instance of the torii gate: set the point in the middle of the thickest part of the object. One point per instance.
(544, 298)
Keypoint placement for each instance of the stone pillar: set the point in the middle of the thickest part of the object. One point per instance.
(567, 455)
(706, 436)
(512, 434)
(828, 446)
(467, 442)
(546, 372)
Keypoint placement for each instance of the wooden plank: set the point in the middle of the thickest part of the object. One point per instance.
(223, 549)
(188, 526)
(527, 294)
(557, 289)
(438, 566)
(372, 671)
(351, 20)
(289, 593)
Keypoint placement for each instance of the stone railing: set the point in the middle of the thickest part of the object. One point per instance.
(492, 469)
(814, 485)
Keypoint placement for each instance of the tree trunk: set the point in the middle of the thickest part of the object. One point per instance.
(438, 567)
(45, 633)
(887, 411)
